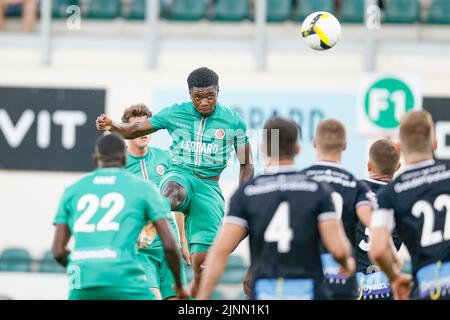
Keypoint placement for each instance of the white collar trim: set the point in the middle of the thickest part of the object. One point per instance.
(377, 181)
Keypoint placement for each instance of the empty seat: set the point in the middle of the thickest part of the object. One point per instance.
(231, 10)
(59, 7)
(189, 10)
(439, 12)
(402, 11)
(49, 264)
(103, 9)
(306, 7)
(136, 10)
(353, 11)
(16, 260)
(279, 10)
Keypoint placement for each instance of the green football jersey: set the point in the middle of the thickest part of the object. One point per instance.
(151, 167)
(201, 144)
(105, 211)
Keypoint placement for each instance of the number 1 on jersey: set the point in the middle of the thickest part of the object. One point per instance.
(279, 229)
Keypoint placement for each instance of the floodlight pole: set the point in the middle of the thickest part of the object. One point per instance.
(261, 34)
(46, 20)
(151, 18)
(372, 22)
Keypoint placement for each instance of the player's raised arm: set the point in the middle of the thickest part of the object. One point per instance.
(127, 130)
(61, 238)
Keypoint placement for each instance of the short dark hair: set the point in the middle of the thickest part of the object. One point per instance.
(384, 156)
(136, 110)
(202, 78)
(287, 132)
(110, 147)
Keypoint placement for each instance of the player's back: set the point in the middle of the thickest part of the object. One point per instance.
(348, 194)
(105, 212)
(282, 212)
(420, 200)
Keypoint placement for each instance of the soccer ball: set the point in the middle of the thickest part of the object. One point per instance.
(321, 30)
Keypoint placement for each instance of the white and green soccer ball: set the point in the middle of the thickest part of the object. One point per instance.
(321, 30)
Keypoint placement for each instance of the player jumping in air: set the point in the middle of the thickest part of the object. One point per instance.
(286, 216)
(104, 212)
(352, 198)
(151, 163)
(417, 203)
(384, 161)
(204, 133)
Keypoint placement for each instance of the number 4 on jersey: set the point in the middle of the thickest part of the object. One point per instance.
(279, 230)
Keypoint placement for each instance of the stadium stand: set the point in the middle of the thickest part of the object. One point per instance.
(279, 10)
(135, 10)
(439, 12)
(48, 264)
(308, 6)
(102, 9)
(230, 10)
(402, 11)
(352, 11)
(59, 7)
(187, 10)
(15, 260)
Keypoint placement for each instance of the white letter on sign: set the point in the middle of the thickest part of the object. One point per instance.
(442, 131)
(378, 102)
(15, 134)
(69, 120)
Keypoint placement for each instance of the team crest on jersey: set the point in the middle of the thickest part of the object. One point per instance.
(147, 235)
(160, 170)
(220, 133)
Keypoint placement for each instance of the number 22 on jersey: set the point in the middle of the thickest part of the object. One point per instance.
(90, 203)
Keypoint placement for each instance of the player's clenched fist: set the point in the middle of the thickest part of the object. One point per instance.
(103, 123)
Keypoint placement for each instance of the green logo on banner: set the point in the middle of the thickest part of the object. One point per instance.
(386, 101)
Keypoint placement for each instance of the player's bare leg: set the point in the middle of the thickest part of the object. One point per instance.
(198, 259)
(175, 193)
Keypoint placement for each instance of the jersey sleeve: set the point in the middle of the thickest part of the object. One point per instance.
(161, 120)
(364, 195)
(237, 213)
(62, 214)
(383, 216)
(240, 135)
(326, 207)
(158, 207)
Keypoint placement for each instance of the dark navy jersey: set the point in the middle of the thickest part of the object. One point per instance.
(363, 263)
(348, 194)
(417, 202)
(282, 212)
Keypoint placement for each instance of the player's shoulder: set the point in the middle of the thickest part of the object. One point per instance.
(230, 113)
(160, 152)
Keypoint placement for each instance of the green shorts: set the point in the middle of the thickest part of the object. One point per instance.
(110, 293)
(158, 272)
(203, 207)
